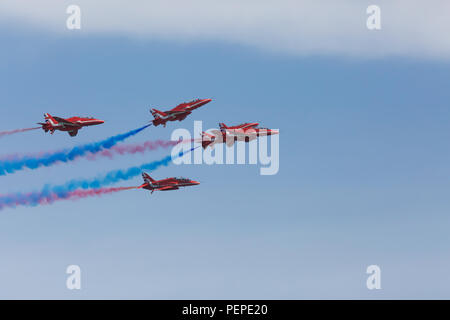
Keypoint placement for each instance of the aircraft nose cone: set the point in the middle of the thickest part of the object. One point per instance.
(195, 182)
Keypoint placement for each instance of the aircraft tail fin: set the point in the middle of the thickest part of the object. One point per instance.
(208, 141)
(206, 144)
(156, 113)
(147, 178)
(49, 118)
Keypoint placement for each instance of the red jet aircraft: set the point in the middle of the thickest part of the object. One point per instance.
(243, 132)
(165, 184)
(72, 125)
(179, 113)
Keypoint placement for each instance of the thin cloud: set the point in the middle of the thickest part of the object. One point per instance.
(412, 28)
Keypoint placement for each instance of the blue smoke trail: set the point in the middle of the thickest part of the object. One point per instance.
(49, 192)
(48, 159)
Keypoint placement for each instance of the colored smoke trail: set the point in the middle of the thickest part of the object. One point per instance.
(114, 176)
(14, 164)
(108, 153)
(51, 193)
(132, 149)
(34, 199)
(7, 133)
(79, 194)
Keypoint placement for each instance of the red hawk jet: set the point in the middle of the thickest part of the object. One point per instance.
(72, 125)
(229, 135)
(179, 113)
(165, 184)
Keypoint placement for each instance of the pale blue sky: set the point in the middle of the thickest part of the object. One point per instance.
(364, 172)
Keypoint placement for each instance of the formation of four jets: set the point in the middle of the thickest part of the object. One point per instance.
(243, 132)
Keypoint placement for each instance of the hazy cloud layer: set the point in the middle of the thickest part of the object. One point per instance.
(413, 28)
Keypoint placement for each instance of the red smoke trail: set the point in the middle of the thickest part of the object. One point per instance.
(32, 199)
(7, 133)
(132, 148)
(80, 194)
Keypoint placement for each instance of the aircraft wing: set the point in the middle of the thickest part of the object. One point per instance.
(193, 107)
(246, 134)
(186, 112)
(168, 188)
(66, 122)
(180, 107)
